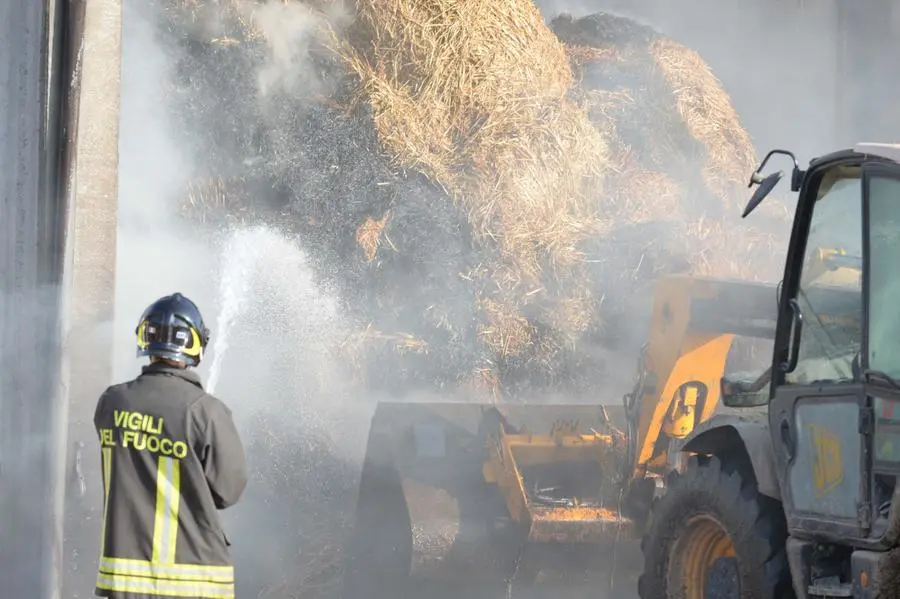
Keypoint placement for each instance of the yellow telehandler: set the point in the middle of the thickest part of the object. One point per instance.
(776, 486)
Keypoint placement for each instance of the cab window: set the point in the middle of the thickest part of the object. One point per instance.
(830, 291)
(884, 276)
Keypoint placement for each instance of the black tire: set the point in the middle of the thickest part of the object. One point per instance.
(714, 494)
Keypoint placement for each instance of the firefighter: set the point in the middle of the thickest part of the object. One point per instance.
(171, 458)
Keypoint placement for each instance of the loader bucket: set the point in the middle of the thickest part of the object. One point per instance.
(431, 511)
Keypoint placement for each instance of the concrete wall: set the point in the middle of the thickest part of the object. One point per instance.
(32, 219)
(91, 269)
(37, 84)
(58, 147)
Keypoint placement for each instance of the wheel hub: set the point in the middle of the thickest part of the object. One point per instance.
(722, 581)
(702, 563)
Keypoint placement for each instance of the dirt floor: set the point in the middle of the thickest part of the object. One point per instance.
(595, 585)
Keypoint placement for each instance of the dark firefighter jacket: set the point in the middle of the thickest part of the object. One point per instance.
(171, 457)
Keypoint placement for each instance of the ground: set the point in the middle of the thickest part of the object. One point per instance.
(595, 586)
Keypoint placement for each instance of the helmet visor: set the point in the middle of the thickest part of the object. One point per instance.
(168, 337)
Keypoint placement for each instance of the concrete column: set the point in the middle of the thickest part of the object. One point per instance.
(32, 216)
(91, 266)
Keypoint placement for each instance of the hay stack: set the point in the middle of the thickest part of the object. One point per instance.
(485, 200)
(475, 96)
(710, 119)
(682, 175)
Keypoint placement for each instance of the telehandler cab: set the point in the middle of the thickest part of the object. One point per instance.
(795, 500)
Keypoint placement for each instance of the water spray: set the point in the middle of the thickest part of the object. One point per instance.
(239, 259)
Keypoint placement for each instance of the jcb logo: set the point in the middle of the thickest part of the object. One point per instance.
(828, 468)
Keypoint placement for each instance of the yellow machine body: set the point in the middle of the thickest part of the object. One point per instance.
(568, 519)
(455, 490)
(694, 323)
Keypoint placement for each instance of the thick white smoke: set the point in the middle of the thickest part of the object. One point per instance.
(757, 53)
(273, 329)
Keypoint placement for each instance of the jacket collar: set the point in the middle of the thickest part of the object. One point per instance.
(184, 373)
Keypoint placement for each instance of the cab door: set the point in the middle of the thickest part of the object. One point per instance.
(881, 352)
(819, 405)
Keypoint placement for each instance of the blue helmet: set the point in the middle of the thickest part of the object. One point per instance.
(172, 328)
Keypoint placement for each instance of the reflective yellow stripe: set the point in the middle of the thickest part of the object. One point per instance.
(161, 575)
(182, 572)
(168, 588)
(165, 524)
(106, 458)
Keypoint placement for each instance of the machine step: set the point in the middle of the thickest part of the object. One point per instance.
(830, 587)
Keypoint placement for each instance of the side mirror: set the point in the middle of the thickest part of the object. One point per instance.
(765, 187)
(743, 394)
(744, 399)
(767, 184)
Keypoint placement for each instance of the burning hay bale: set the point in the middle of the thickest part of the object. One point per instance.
(463, 176)
(475, 95)
(487, 197)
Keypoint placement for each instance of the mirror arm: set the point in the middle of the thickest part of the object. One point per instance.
(755, 178)
(797, 177)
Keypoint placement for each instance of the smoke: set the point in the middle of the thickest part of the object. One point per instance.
(273, 327)
(302, 425)
(301, 422)
(757, 53)
(279, 378)
(157, 254)
(290, 30)
(31, 429)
